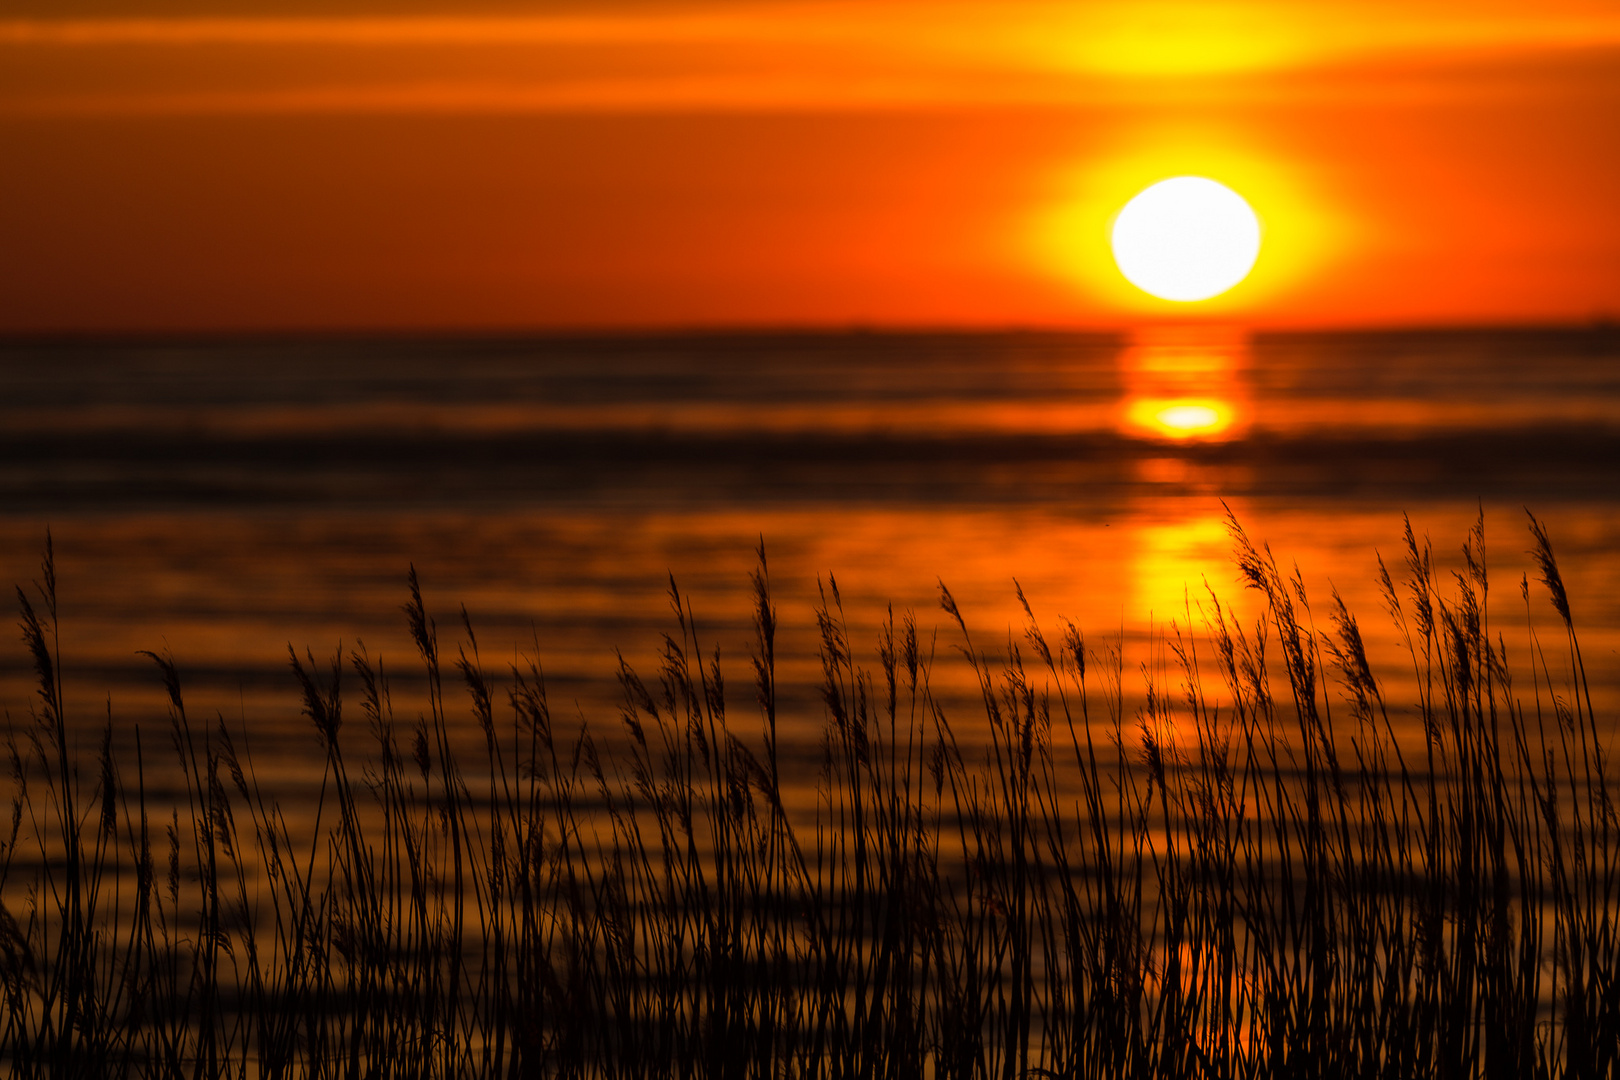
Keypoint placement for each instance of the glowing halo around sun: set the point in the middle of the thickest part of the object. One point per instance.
(1185, 239)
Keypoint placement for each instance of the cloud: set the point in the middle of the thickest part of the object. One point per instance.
(765, 56)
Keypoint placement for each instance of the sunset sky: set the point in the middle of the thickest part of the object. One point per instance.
(412, 165)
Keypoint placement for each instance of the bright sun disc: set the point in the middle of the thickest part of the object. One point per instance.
(1186, 238)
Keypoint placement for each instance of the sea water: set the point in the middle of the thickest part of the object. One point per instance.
(218, 501)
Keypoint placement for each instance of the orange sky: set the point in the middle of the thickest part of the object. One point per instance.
(375, 165)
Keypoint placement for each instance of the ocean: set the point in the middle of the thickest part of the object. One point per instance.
(219, 500)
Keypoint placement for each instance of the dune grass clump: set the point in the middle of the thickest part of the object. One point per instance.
(1246, 871)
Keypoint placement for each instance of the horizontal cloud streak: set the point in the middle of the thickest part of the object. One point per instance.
(396, 30)
(1163, 37)
(751, 57)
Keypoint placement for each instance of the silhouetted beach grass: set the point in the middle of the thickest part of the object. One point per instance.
(1246, 872)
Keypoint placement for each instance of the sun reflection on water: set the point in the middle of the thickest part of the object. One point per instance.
(1185, 384)
(1181, 419)
(1171, 560)
(1182, 388)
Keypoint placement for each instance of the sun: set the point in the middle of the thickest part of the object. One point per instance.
(1187, 238)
